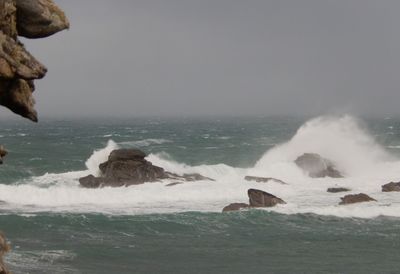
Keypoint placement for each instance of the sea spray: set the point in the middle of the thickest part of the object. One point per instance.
(365, 163)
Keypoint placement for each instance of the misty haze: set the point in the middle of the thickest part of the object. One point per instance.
(207, 136)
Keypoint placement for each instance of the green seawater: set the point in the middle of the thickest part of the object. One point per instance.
(77, 239)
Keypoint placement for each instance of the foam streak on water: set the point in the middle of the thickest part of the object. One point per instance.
(365, 163)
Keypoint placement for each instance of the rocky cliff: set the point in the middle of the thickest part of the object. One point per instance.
(18, 68)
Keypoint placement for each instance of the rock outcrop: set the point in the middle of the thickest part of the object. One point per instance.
(264, 180)
(126, 167)
(392, 186)
(317, 166)
(4, 248)
(337, 189)
(3, 153)
(259, 198)
(356, 198)
(18, 68)
(235, 207)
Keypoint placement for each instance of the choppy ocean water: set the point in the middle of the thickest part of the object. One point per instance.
(57, 227)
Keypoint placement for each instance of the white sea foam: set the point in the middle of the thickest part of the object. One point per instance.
(364, 162)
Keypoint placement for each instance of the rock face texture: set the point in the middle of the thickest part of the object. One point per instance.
(356, 198)
(126, 167)
(3, 153)
(18, 68)
(391, 187)
(316, 166)
(264, 180)
(259, 198)
(4, 248)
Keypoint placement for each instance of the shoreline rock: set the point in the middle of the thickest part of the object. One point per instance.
(4, 248)
(126, 167)
(317, 166)
(356, 198)
(235, 207)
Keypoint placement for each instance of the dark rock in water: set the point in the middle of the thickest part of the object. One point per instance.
(392, 186)
(259, 198)
(337, 189)
(129, 167)
(4, 248)
(316, 166)
(3, 153)
(235, 207)
(356, 198)
(126, 154)
(264, 179)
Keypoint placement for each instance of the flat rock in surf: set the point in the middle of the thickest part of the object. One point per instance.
(317, 166)
(392, 186)
(264, 180)
(235, 207)
(126, 167)
(356, 198)
(259, 198)
(337, 189)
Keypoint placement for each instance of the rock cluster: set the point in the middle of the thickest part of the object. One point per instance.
(126, 167)
(317, 166)
(18, 68)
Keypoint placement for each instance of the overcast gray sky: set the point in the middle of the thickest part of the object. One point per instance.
(221, 57)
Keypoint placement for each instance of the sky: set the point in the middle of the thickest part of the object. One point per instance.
(135, 58)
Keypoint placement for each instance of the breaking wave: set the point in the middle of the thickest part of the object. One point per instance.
(343, 140)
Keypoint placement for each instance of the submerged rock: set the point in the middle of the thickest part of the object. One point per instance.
(337, 189)
(356, 198)
(259, 198)
(235, 207)
(264, 179)
(316, 166)
(392, 186)
(4, 248)
(3, 153)
(126, 167)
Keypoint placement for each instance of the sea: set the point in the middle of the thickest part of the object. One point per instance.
(56, 226)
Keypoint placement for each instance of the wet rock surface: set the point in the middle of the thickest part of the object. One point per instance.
(259, 198)
(392, 186)
(356, 198)
(126, 167)
(317, 166)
